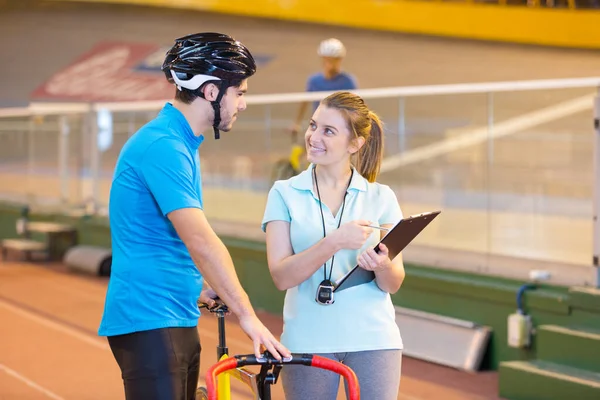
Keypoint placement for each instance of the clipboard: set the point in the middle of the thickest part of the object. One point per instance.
(396, 240)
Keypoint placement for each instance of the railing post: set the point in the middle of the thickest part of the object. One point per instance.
(94, 161)
(401, 125)
(31, 159)
(63, 157)
(489, 168)
(104, 141)
(269, 133)
(88, 173)
(596, 201)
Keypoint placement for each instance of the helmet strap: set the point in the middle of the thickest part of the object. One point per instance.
(217, 107)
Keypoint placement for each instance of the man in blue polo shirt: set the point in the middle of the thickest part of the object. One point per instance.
(163, 246)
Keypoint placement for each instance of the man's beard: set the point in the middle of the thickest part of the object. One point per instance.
(226, 123)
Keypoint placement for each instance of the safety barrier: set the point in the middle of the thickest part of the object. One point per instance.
(510, 163)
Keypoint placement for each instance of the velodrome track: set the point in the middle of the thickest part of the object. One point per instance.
(49, 348)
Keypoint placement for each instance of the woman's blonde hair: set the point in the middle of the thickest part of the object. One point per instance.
(362, 122)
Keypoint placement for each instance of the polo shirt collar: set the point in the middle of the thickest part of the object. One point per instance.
(183, 125)
(304, 181)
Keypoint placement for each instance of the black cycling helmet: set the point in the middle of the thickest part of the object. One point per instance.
(208, 57)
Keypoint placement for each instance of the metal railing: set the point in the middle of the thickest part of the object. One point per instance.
(511, 164)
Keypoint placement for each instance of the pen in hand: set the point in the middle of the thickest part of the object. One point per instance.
(378, 227)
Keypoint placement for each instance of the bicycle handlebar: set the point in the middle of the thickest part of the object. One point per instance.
(219, 307)
(298, 359)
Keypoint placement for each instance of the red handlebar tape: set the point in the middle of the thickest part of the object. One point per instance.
(344, 370)
(211, 375)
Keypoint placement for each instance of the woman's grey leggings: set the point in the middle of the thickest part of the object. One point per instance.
(378, 373)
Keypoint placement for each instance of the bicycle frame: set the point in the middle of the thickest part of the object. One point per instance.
(241, 374)
(268, 361)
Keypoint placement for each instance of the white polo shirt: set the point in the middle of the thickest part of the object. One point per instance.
(362, 317)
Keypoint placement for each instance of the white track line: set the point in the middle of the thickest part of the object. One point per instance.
(56, 325)
(482, 134)
(30, 383)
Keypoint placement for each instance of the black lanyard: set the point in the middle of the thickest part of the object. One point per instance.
(325, 278)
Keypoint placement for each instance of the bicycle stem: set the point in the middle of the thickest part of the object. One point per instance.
(222, 347)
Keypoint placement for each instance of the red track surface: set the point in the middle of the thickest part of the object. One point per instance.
(49, 348)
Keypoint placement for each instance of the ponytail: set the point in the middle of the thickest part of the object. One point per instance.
(368, 162)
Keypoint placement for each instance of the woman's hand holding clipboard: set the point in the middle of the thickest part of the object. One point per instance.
(375, 260)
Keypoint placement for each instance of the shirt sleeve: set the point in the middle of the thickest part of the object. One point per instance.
(391, 212)
(353, 82)
(310, 84)
(167, 168)
(276, 208)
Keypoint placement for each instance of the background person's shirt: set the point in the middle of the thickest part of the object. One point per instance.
(319, 83)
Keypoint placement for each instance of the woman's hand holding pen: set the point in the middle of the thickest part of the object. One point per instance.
(373, 261)
(352, 235)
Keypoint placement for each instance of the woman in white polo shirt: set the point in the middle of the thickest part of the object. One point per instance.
(317, 231)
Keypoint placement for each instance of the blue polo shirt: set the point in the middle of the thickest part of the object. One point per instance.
(319, 83)
(154, 282)
(362, 317)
